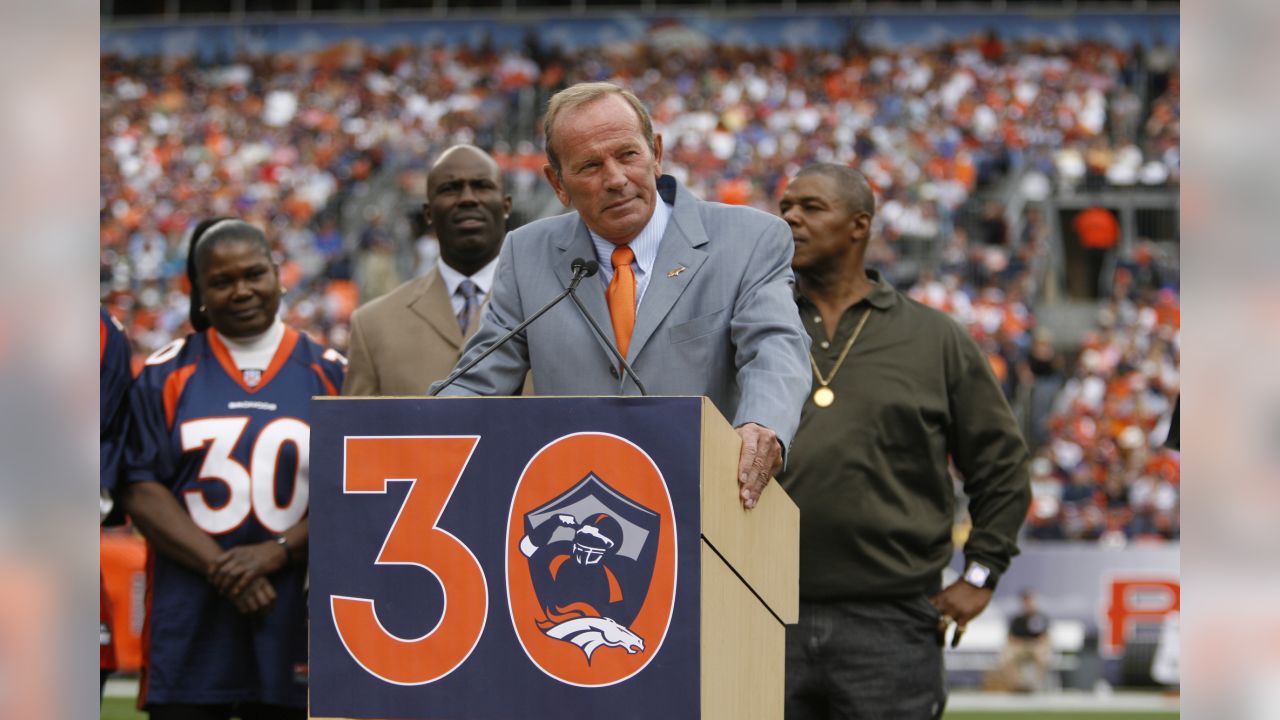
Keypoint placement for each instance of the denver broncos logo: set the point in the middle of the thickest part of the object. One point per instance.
(591, 561)
(591, 577)
(591, 633)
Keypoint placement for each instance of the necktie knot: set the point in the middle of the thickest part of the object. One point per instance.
(622, 256)
(468, 289)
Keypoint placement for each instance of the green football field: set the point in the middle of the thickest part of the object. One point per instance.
(118, 708)
(122, 709)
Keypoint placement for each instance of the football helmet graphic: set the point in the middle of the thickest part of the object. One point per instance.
(597, 537)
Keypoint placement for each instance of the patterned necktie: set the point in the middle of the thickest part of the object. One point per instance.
(622, 297)
(470, 301)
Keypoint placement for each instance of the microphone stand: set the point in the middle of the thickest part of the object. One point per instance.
(609, 344)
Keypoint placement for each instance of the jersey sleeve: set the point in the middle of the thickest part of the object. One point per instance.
(149, 454)
(114, 376)
(333, 368)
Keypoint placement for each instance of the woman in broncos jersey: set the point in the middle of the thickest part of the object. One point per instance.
(216, 480)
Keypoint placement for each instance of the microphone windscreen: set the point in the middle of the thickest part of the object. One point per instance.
(586, 267)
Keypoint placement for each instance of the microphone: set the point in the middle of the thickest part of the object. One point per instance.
(592, 267)
(581, 268)
(586, 267)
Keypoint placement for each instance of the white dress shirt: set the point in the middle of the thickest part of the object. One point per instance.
(645, 246)
(452, 279)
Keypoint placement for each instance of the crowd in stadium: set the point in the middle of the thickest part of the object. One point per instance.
(1101, 472)
(287, 142)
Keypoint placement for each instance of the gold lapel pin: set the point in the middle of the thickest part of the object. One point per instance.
(677, 271)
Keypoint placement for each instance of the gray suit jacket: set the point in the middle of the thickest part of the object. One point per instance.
(404, 340)
(725, 327)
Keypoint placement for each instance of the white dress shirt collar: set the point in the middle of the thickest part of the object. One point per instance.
(452, 279)
(645, 246)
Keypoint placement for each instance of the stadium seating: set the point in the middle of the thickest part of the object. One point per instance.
(964, 140)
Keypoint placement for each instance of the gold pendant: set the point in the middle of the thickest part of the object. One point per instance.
(823, 396)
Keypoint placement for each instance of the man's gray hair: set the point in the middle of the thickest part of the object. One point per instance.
(582, 94)
(855, 191)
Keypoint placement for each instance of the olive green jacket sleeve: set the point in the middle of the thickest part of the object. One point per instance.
(989, 451)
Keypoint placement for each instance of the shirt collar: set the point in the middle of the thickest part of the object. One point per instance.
(483, 277)
(882, 296)
(645, 245)
(268, 339)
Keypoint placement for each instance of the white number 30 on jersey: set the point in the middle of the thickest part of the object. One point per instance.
(252, 490)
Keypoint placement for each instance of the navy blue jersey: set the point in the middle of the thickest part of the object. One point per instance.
(234, 451)
(114, 375)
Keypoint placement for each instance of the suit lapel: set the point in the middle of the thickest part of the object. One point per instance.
(679, 249)
(433, 305)
(590, 290)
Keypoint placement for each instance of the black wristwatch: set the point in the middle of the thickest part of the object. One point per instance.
(980, 576)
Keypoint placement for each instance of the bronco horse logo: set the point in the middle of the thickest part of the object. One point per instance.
(592, 633)
(591, 553)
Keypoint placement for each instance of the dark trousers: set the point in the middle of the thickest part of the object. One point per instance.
(865, 659)
(244, 711)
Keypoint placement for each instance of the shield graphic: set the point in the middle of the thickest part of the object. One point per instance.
(591, 559)
(591, 553)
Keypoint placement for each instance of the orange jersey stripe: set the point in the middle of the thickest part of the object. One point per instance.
(173, 387)
(328, 386)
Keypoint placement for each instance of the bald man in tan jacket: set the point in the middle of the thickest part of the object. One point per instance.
(412, 336)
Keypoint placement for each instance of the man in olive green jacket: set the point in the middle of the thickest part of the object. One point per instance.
(899, 388)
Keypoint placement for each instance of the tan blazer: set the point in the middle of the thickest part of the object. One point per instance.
(405, 340)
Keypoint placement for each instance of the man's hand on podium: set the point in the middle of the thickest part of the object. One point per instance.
(761, 457)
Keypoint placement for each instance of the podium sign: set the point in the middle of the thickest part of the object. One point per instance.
(490, 558)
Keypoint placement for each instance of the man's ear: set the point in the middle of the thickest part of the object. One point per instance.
(553, 177)
(860, 228)
(426, 214)
(657, 155)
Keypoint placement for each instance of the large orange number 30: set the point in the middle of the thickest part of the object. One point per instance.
(433, 466)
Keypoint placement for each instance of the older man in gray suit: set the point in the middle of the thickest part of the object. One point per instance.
(699, 295)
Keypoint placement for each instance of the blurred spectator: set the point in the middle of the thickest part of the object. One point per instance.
(1024, 664)
(1161, 61)
(376, 271)
(1042, 373)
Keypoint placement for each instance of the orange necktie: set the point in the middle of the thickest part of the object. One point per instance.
(622, 297)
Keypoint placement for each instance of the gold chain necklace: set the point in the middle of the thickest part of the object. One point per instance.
(824, 396)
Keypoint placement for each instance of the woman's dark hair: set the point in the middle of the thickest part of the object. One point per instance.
(200, 242)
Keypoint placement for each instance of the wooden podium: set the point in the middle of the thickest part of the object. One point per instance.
(493, 558)
(750, 583)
